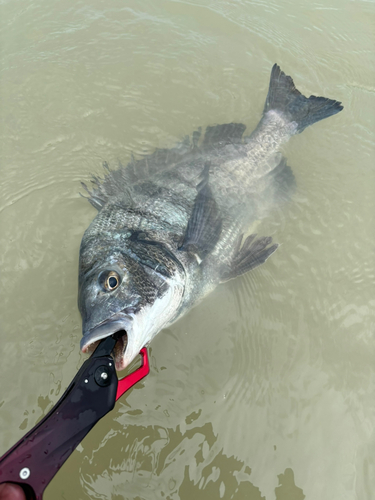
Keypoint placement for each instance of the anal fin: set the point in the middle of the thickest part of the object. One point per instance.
(205, 223)
(252, 253)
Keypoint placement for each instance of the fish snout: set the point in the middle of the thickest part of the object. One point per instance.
(120, 324)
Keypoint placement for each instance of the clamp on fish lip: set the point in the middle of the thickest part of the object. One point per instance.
(106, 346)
(39, 454)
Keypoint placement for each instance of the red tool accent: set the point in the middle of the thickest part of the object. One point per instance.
(129, 380)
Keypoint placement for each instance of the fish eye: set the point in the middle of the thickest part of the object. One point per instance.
(109, 280)
(112, 282)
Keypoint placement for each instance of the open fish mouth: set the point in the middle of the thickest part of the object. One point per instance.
(121, 327)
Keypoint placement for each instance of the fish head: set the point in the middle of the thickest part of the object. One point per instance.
(135, 290)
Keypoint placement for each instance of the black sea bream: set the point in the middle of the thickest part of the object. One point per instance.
(171, 226)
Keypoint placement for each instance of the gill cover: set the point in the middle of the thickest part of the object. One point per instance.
(135, 287)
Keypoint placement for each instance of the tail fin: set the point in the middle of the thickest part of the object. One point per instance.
(283, 96)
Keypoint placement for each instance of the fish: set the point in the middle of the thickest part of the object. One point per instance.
(172, 225)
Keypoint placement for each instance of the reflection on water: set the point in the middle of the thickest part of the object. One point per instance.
(265, 390)
(169, 463)
(287, 490)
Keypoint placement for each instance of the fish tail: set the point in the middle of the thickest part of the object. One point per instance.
(304, 111)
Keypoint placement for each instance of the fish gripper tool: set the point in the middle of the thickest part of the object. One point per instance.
(36, 458)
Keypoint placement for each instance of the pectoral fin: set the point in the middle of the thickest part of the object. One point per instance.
(205, 224)
(252, 253)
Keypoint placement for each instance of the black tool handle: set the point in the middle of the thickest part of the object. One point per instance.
(36, 458)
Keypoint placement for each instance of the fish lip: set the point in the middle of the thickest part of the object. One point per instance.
(115, 323)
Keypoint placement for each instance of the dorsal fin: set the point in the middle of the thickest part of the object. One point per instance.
(220, 135)
(205, 224)
(116, 182)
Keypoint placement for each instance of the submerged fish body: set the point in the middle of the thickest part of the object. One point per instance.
(170, 227)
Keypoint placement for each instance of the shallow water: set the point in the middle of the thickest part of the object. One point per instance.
(266, 389)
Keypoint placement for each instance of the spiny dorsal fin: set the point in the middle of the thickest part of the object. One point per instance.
(117, 181)
(252, 253)
(205, 224)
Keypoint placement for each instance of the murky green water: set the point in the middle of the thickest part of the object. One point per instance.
(265, 390)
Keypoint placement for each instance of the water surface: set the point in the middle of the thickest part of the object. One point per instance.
(266, 389)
